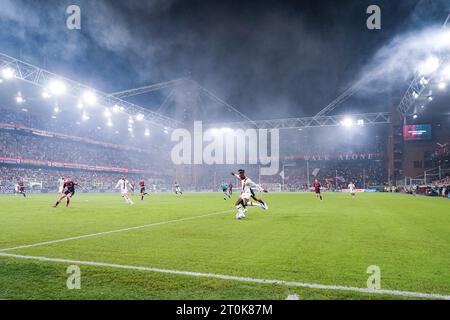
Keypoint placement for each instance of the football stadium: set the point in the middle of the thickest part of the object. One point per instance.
(224, 150)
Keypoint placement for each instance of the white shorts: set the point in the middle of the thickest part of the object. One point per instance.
(60, 190)
(246, 195)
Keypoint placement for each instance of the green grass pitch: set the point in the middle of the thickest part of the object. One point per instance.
(299, 239)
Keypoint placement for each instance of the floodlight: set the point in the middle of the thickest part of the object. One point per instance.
(442, 85)
(107, 113)
(116, 108)
(45, 94)
(347, 122)
(8, 73)
(140, 117)
(19, 98)
(89, 97)
(424, 81)
(57, 87)
(429, 66)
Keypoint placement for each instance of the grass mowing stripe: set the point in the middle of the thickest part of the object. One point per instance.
(235, 278)
(113, 231)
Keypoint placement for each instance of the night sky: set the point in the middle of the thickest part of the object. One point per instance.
(270, 59)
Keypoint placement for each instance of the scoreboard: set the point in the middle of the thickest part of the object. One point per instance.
(417, 132)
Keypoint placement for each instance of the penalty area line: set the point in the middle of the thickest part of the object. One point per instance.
(235, 278)
(113, 231)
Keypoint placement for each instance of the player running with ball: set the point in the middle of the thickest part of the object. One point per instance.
(247, 193)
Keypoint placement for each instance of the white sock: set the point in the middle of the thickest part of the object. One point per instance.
(129, 201)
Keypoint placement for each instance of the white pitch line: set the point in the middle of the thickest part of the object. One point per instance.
(113, 231)
(235, 278)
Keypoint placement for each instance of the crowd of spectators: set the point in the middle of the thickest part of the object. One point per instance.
(445, 181)
(335, 175)
(45, 122)
(27, 146)
(364, 174)
(441, 187)
(435, 190)
(71, 124)
(46, 180)
(22, 145)
(325, 140)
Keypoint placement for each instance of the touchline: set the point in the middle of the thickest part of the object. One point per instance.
(227, 146)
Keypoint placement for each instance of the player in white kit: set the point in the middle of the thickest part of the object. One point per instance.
(61, 182)
(247, 193)
(351, 188)
(177, 188)
(123, 184)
